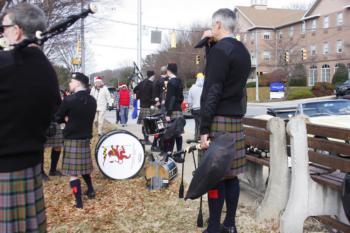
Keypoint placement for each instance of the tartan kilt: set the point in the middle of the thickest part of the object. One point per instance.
(234, 126)
(56, 140)
(176, 114)
(144, 112)
(76, 157)
(22, 207)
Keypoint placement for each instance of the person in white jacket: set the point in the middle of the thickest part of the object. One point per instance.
(194, 102)
(103, 99)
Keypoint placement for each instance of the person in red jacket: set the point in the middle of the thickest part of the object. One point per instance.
(124, 103)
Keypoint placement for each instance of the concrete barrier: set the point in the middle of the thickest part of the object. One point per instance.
(276, 195)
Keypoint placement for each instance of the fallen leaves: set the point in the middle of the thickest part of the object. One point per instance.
(129, 207)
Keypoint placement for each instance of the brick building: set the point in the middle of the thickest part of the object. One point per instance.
(323, 32)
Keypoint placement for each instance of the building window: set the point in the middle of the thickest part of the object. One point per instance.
(291, 31)
(325, 73)
(313, 25)
(267, 55)
(325, 48)
(267, 35)
(340, 19)
(312, 75)
(303, 27)
(326, 22)
(339, 46)
(313, 50)
(252, 36)
(280, 34)
(336, 67)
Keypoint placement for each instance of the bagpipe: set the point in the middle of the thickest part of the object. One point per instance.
(41, 37)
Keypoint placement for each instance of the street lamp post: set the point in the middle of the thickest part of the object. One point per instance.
(139, 33)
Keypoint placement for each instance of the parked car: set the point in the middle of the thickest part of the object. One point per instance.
(186, 111)
(335, 113)
(343, 89)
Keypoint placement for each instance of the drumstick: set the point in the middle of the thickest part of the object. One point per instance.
(181, 189)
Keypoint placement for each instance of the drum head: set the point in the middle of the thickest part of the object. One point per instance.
(119, 155)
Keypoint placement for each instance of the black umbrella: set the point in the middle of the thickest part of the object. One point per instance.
(216, 162)
(346, 195)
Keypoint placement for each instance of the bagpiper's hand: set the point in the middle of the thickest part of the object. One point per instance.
(66, 119)
(204, 141)
(167, 118)
(207, 33)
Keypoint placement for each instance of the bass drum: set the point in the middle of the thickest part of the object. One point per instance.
(119, 155)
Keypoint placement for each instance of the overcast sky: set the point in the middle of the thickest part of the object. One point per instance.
(111, 34)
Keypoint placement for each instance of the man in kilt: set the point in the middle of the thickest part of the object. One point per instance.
(143, 92)
(174, 98)
(78, 111)
(223, 104)
(28, 95)
(55, 142)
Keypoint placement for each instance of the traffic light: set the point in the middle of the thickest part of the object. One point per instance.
(303, 54)
(286, 57)
(198, 59)
(173, 40)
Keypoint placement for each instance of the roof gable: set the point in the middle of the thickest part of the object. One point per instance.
(270, 17)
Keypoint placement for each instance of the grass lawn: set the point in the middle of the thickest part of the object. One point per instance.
(294, 93)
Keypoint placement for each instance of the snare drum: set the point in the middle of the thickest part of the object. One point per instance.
(154, 124)
(119, 155)
(166, 171)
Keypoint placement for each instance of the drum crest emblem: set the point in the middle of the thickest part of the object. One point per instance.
(115, 154)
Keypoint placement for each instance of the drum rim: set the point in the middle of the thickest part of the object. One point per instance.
(101, 140)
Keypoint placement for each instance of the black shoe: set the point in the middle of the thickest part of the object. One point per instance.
(55, 173)
(224, 229)
(90, 195)
(45, 177)
(155, 149)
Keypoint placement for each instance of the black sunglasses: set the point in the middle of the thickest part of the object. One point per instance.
(2, 27)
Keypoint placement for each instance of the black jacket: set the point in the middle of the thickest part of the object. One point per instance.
(227, 70)
(29, 93)
(80, 108)
(174, 96)
(144, 91)
(158, 88)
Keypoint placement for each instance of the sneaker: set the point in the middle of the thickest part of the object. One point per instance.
(155, 149)
(90, 195)
(224, 229)
(45, 177)
(147, 142)
(55, 173)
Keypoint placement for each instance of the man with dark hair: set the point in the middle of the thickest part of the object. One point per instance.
(78, 111)
(29, 93)
(143, 92)
(174, 98)
(222, 108)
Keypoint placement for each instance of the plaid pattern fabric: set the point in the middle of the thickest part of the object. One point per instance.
(234, 126)
(22, 207)
(76, 157)
(176, 114)
(144, 112)
(56, 140)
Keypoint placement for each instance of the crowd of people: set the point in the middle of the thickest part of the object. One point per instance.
(217, 101)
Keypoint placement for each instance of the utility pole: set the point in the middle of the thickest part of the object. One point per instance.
(82, 36)
(139, 33)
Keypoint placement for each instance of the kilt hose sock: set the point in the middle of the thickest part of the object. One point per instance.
(144, 134)
(226, 190)
(55, 156)
(87, 179)
(232, 191)
(76, 189)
